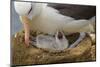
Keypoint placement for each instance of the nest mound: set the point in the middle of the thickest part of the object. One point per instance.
(21, 55)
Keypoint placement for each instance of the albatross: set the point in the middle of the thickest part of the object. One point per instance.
(43, 18)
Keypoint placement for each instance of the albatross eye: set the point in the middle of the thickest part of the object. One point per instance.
(30, 10)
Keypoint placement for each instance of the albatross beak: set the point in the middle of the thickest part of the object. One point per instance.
(59, 35)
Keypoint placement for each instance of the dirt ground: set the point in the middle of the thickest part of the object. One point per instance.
(21, 55)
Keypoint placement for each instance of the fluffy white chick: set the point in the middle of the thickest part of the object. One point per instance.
(40, 17)
(57, 43)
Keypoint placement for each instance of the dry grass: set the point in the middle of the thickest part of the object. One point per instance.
(21, 55)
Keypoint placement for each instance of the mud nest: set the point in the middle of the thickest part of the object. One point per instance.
(21, 55)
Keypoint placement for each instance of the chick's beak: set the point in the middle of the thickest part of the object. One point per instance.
(60, 35)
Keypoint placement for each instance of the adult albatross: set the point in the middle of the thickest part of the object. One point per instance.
(43, 18)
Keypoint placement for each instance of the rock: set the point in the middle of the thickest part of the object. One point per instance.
(21, 55)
